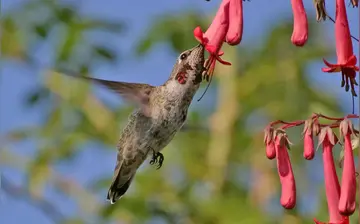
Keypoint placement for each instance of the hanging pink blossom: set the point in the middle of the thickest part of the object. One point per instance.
(346, 60)
(300, 29)
(347, 201)
(286, 175)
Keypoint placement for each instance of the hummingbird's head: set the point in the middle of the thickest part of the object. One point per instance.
(189, 66)
(194, 57)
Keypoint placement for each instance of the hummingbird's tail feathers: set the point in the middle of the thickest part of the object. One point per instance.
(116, 192)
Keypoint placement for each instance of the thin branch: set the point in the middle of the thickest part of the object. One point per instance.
(334, 22)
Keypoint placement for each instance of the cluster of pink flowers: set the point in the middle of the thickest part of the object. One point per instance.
(346, 60)
(341, 200)
(227, 26)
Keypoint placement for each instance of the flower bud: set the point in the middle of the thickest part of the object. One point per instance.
(234, 34)
(348, 181)
(269, 142)
(300, 29)
(309, 150)
(286, 175)
(270, 150)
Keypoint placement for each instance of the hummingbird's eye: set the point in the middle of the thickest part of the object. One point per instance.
(183, 56)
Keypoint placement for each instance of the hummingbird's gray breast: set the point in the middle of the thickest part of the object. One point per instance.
(171, 111)
(173, 119)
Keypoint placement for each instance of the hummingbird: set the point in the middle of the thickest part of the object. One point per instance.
(160, 113)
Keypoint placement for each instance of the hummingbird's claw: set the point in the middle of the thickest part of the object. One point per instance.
(161, 160)
(153, 161)
(157, 158)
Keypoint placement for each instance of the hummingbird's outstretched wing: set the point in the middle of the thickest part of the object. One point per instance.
(137, 93)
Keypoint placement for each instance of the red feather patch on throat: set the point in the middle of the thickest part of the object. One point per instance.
(181, 77)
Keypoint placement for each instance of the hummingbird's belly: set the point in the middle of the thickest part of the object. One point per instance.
(167, 129)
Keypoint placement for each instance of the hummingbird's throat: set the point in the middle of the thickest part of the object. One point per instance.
(181, 77)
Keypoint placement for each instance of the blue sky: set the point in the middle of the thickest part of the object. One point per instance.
(17, 79)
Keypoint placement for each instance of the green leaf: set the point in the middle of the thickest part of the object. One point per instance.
(41, 30)
(36, 95)
(11, 41)
(66, 14)
(84, 69)
(102, 25)
(39, 171)
(177, 41)
(66, 49)
(176, 29)
(108, 211)
(144, 46)
(105, 53)
(101, 183)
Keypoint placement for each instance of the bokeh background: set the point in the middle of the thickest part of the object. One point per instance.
(58, 135)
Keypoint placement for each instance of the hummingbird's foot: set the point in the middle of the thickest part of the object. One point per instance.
(157, 158)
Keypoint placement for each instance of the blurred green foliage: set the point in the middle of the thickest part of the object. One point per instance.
(200, 180)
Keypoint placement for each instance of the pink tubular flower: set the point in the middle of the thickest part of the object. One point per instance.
(270, 150)
(269, 142)
(309, 151)
(214, 37)
(227, 26)
(332, 187)
(346, 60)
(345, 220)
(348, 183)
(300, 29)
(286, 175)
(234, 34)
